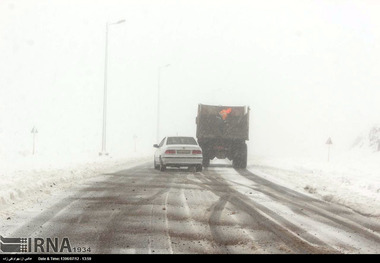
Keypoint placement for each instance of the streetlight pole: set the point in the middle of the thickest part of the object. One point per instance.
(104, 152)
(158, 101)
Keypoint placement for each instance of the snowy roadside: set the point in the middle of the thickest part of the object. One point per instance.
(353, 180)
(38, 178)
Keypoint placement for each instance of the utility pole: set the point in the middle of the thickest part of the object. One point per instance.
(104, 152)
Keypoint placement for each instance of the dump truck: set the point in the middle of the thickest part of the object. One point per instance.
(222, 132)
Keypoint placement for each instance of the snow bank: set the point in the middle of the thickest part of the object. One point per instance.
(25, 178)
(352, 179)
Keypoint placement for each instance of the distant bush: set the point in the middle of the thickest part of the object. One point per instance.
(374, 138)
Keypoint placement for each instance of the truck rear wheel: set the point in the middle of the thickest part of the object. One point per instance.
(206, 161)
(240, 157)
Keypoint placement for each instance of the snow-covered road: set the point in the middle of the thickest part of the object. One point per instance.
(132, 208)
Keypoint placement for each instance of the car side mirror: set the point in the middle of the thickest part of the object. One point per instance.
(155, 145)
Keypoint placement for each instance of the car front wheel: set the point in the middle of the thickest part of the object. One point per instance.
(155, 165)
(162, 166)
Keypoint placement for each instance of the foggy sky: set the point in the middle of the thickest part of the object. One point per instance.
(307, 69)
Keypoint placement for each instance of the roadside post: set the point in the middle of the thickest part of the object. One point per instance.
(135, 141)
(329, 143)
(34, 132)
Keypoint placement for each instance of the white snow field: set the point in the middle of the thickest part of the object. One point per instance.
(352, 179)
(29, 179)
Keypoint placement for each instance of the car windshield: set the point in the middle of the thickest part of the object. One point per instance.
(181, 140)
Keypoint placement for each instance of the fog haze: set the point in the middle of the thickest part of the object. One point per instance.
(307, 69)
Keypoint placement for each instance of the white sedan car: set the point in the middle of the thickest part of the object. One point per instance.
(178, 151)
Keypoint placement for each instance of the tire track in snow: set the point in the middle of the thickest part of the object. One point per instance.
(322, 211)
(167, 223)
(268, 220)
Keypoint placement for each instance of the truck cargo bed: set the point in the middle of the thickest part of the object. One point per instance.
(211, 125)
